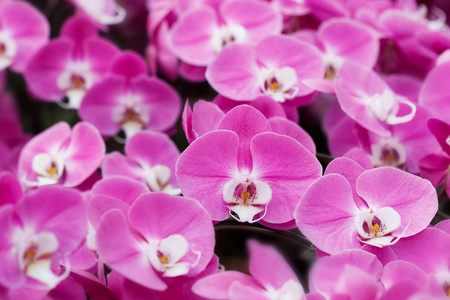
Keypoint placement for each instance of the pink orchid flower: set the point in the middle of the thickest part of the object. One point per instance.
(162, 238)
(375, 207)
(246, 170)
(265, 282)
(336, 39)
(23, 31)
(129, 100)
(368, 100)
(150, 158)
(408, 144)
(350, 274)
(37, 233)
(71, 64)
(200, 34)
(277, 67)
(61, 155)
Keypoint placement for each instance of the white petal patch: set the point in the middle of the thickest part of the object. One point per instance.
(41, 271)
(228, 34)
(247, 198)
(291, 290)
(388, 152)
(280, 84)
(8, 50)
(375, 227)
(157, 179)
(75, 81)
(385, 107)
(166, 254)
(49, 168)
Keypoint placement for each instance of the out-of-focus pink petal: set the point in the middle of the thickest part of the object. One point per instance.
(191, 36)
(192, 73)
(216, 286)
(325, 275)
(400, 270)
(186, 121)
(93, 287)
(350, 40)
(44, 210)
(129, 64)
(263, 258)
(435, 91)
(262, 22)
(441, 131)
(10, 273)
(416, 250)
(28, 27)
(10, 188)
(117, 164)
(162, 101)
(79, 28)
(122, 188)
(99, 104)
(46, 66)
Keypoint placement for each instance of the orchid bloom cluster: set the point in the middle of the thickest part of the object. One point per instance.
(224, 149)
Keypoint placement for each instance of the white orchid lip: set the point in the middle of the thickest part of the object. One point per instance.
(8, 50)
(375, 226)
(97, 10)
(388, 152)
(130, 114)
(166, 255)
(49, 168)
(246, 198)
(333, 63)
(290, 290)
(157, 179)
(75, 81)
(228, 34)
(384, 106)
(279, 84)
(34, 255)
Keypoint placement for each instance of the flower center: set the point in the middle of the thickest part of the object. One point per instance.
(246, 198)
(157, 179)
(75, 81)
(375, 227)
(34, 255)
(48, 168)
(8, 50)
(225, 35)
(388, 153)
(279, 84)
(131, 115)
(166, 255)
